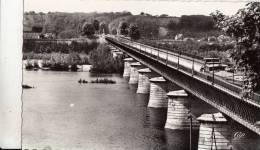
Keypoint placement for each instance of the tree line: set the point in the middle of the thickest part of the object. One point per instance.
(69, 25)
(62, 47)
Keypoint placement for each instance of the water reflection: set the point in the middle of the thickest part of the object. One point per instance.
(141, 100)
(179, 139)
(155, 118)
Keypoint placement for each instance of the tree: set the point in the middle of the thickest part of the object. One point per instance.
(134, 32)
(32, 13)
(244, 26)
(68, 34)
(102, 60)
(96, 25)
(114, 32)
(148, 28)
(164, 15)
(103, 28)
(196, 22)
(123, 28)
(172, 25)
(88, 29)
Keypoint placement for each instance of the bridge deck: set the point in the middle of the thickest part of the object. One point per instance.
(226, 99)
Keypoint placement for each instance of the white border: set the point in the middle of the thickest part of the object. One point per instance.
(11, 73)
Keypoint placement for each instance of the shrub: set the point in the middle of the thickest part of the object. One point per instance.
(134, 32)
(123, 28)
(88, 29)
(103, 62)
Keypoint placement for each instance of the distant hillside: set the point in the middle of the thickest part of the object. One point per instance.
(68, 25)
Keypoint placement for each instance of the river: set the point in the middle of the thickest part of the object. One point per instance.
(61, 114)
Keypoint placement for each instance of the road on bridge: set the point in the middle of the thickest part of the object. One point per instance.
(164, 54)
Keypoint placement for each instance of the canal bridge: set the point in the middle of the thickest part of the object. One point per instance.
(185, 72)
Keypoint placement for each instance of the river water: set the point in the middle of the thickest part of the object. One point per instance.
(61, 114)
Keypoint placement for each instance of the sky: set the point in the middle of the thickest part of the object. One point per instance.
(154, 7)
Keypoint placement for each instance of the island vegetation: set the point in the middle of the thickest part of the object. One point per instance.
(98, 80)
(103, 61)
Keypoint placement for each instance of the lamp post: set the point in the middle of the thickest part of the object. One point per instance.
(190, 117)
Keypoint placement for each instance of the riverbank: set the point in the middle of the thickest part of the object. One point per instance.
(55, 61)
(101, 59)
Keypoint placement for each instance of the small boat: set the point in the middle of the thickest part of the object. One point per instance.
(24, 86)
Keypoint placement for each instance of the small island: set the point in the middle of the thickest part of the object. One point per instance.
(104, 81)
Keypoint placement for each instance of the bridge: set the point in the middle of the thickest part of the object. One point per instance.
(185, 72)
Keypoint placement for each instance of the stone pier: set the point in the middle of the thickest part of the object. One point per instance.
(215, 133)
(134, 67)
(158, 89)
(143, 81)
(127, 68)
(177, 112)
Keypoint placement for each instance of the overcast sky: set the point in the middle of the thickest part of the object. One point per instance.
(154, 7)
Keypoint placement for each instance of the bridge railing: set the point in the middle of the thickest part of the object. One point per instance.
(171, 49)
(153, 44)
(156, 54)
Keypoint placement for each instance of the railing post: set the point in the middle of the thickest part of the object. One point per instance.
(193, 65)
(145, 48)
(158, 52)
(151, 52)
(178, 60)
(233, 74)
(166, 57)
(140, 48)
(213, 72)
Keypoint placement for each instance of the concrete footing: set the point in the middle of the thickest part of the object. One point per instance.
(134, 67)
(127, 69)
(143, 81)
(215, 133)
(177, 112)
(158, 97)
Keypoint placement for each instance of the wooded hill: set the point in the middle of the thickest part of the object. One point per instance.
(69, 25)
